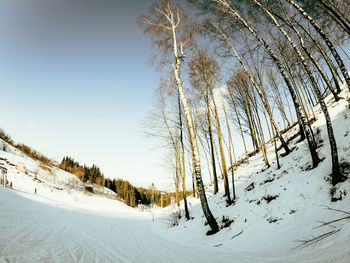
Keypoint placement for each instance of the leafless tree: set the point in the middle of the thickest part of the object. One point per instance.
(166, 24)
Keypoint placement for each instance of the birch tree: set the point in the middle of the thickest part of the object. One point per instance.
(229, 9)
(259, 88)
(205, 68)
(336, 174)
(197, 83)
(326, 39)
(166, 24)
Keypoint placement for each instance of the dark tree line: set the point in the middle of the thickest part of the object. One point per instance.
(133, 196)
(85, 173)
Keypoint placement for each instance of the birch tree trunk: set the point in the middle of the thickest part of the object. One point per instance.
(336, 174)
(324, 55)
(260, 93)
(165, 24)
(215, 177)
(218, 130)
(339, 18)
(307, 130)
(326, 40)
(241, 131)
(183, 172)
(195, 153)
(312, 59)
(275, 145)
(229, 148)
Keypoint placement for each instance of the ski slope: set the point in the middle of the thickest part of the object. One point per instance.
(61, 223)
(35, 229)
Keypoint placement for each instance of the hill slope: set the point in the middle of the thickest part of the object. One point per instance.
(277, 210)
(281, 208)
(47, 180)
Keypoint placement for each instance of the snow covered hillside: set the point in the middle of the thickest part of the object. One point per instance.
(34, 175)
(61, 223)
(275, 212)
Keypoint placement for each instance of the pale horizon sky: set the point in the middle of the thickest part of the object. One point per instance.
(75, 80)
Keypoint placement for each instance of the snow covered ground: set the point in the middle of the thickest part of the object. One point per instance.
(272, 231)
(71, 226)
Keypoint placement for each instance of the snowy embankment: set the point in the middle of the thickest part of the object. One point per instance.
(70, 226)
(51, 182)
(281, 208)
(61, 223)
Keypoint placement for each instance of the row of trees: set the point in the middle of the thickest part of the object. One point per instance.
(85, 173)
(126, 191)
(27, 150)
(252, 65)
(131, 195)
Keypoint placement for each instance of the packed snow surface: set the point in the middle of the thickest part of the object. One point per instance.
(61, 223)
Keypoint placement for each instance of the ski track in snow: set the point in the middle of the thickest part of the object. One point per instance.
(36, 232)
(70, 226)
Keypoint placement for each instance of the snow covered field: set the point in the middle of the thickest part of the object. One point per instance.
(71, 226)
(36, 231)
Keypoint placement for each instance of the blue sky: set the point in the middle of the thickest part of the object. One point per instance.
(75, 80)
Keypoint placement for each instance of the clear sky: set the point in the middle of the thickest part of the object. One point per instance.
(75, 80)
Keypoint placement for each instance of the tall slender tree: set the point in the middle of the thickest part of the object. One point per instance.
(227, 8)
(326, 39)
(336, 174)
(167, 26)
